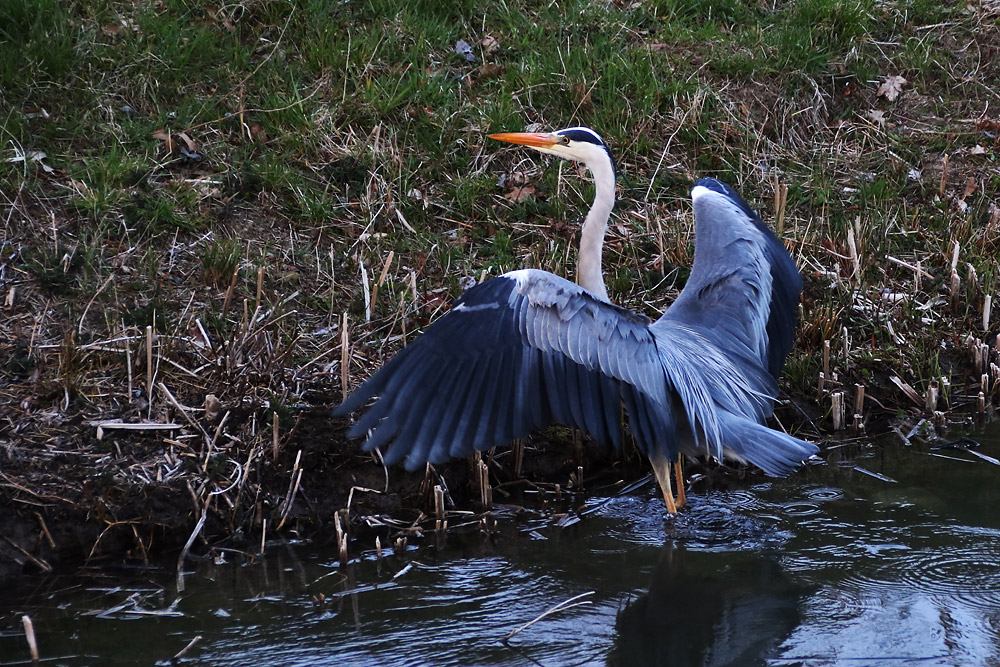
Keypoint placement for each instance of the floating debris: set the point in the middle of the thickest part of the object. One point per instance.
(876, 475)
(574, 601)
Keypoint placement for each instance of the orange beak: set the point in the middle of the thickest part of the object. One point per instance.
(534, 139)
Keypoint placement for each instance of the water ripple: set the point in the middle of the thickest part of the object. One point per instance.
(800, 508)
(970, 573)
(823, 493)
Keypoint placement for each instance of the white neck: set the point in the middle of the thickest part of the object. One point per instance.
(588, 273)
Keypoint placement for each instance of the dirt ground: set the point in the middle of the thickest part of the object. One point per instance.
(85, 502)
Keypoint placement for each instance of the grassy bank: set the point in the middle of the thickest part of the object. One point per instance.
(216, 207)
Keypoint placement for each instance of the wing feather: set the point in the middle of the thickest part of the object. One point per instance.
(515, 354)
(527, 349)
(744, 288)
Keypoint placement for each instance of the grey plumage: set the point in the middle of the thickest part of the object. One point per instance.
(528, 349)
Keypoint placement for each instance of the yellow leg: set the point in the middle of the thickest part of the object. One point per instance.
(661, 468)
(679, 477)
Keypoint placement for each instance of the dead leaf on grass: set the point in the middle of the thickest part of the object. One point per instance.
(489, 71)
(32, 157)
(977, 150)
(180, 142)
(987, 125)
(970, 186)
(166, 139)
(188, 142)
(257, 133)
(213, 407)
(520, 194)
(891, 87)
(876, 116)
(490, 45)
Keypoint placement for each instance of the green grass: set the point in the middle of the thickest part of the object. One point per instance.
(325, 135)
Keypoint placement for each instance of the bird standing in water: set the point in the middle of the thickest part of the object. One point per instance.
(528, 349)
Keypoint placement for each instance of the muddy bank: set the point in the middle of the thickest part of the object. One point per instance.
(71, 499)
(84, 490)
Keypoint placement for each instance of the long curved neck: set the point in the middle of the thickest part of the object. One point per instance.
(589, 274)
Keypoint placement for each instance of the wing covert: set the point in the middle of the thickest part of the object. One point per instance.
(514, 355)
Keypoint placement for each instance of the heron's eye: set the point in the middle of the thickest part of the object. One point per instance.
(564, 140)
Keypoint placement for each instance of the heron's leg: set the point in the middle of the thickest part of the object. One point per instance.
(679, 477)
(661, 468)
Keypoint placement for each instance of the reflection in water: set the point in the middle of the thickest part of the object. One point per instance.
(712, 609)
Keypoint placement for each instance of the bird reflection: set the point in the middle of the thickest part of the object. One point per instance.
(708, 609)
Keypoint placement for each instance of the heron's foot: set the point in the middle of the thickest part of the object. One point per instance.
(661, 468)
(679, 478)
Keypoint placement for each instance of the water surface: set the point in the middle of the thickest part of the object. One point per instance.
(833, 566)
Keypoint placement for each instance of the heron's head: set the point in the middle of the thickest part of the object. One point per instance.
(581, 144)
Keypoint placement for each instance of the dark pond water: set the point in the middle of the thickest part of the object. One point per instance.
(831, 567)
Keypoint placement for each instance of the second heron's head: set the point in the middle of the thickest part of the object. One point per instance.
(581, 144)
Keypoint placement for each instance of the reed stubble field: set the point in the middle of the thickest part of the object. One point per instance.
(217, 217)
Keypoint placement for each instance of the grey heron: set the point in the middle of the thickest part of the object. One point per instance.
(529, 348)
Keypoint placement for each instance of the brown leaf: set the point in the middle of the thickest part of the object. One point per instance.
(970, 187)
(188, 142)
(490, 45)
(876, 116)
(213, 407)
(561, 228)
(257, 133)
(489, 71)
(520, 194)
(168, 141)
(891, 87)
(517, 178)
(435, 300)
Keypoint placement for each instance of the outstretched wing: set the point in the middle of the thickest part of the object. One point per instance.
(513, 355)
(744, 288)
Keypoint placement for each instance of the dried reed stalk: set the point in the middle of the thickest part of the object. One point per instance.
(29, 635)
(517, 453)
(149, 365)
(438, 507)
(345, 340)
(381, 279)
(780, 199)
(932, 396)
(274, 436)
(341, 535)
(837, 410)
